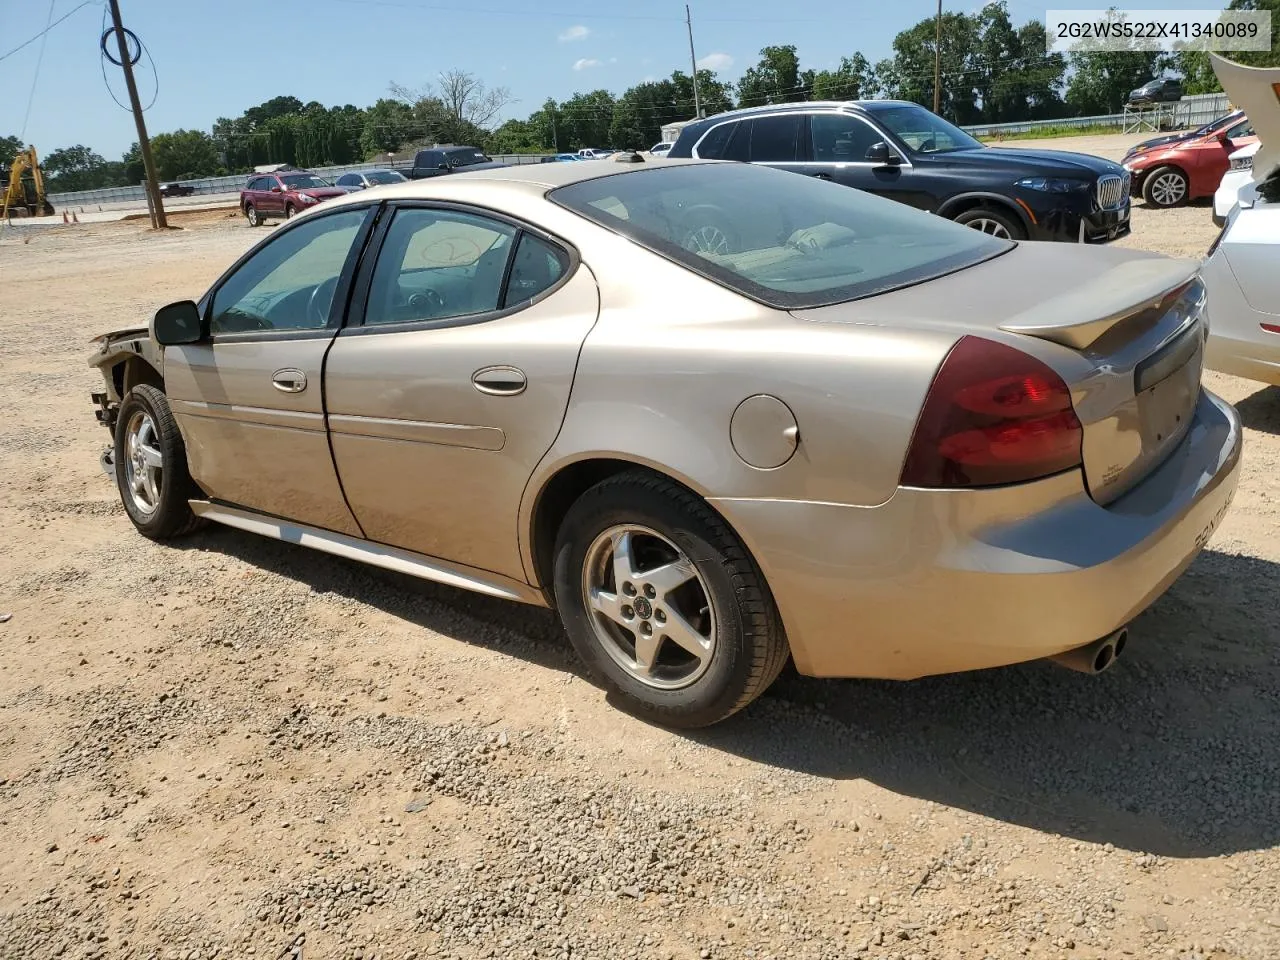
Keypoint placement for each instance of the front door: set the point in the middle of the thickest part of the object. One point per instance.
(443, 400)
(839, 143)
(249, 397)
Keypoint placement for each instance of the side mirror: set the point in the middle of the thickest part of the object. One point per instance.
(176, 324)
(880, 153)
(277, 189)
(1222, 137)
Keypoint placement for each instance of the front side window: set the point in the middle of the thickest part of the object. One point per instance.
(841, 138)
(348, 180)
(924, 132)
(787, 241)
(289, 283)
(776, 139)
(1242, 129)
(438, 264)
(713, 144)
(465, 158)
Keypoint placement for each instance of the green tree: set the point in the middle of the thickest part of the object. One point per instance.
(913, 65)
(10, 147)
(184, 154)
(1014, 78)
(854, 79)
(584, 119)
(1100, 81)
(387, 125)
(1197, 73)
(73, 168)
(777, 78)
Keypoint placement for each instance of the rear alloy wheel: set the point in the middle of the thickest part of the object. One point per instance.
(680, 641)
(251, 214)
(994, 223)
(1165, 187)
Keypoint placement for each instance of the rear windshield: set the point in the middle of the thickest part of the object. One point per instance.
(465, 158)
(784, 239)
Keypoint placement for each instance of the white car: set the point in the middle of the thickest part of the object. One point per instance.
(660, 149)
(1241, 271)
(1240, 173)
(590, 153)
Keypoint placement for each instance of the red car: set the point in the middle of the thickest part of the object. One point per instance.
(278, 196)
(1169, 174)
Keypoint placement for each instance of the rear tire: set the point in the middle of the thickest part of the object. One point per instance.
(251, 214)
(151, 466)
(1166, 187)
(995, 223)
(731, 646)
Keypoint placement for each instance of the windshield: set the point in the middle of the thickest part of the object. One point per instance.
(384, 176)
(922, 131)
(1216, 124)
(304, 181)
(788, 241)
(464, 158)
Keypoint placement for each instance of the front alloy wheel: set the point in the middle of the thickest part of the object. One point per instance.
(1165, 187)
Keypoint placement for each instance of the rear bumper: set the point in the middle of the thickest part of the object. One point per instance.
(937, 582)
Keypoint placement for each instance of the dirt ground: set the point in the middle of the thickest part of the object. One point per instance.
(231, 747)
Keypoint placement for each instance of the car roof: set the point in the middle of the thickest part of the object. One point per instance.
(868, 106)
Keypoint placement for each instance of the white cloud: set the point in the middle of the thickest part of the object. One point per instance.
(613, 59)
(577, 32)
(715, 61)
(586, 63)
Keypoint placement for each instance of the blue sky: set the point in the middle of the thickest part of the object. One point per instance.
(218, 58)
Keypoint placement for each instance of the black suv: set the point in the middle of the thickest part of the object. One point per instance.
(1164, 90)
(904, 152)
(442, 160)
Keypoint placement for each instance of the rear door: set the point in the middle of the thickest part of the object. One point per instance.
(780, 141)
(452, 380)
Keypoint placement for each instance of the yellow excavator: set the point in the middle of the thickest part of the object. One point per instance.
(22, 187)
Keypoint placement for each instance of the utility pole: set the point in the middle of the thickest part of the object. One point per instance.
(937, 62)
(158, 221)
(693, 62)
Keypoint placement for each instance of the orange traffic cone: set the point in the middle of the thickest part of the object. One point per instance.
(74, 218)
(64, 217)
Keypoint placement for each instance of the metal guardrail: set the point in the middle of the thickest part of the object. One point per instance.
(1193, 111)
(205, 186)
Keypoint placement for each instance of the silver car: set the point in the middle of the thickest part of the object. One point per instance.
(716, 415)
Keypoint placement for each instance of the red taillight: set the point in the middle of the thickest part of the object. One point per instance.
(993, 415)
(1270, 327)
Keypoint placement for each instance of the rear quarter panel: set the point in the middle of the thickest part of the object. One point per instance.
(673, 355)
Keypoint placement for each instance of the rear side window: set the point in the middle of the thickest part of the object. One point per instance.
(739, 146)
(712, 145)
(776, 139)
(536, 268)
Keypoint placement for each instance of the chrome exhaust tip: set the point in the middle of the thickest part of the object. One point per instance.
(1097, 656)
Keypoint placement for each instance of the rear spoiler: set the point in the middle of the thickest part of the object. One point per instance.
(1129, 288)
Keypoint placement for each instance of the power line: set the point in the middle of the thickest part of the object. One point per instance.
(580, 14)
(31, 97)
(27, 43)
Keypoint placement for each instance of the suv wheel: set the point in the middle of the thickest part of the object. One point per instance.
(251, 214)
(289, 211)
(1165, 187)
(995, 223)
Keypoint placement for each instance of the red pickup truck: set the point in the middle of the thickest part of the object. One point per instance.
(278, 196)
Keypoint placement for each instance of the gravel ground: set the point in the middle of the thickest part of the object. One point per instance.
(232, 747)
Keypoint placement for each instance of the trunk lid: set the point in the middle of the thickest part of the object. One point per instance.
(1255, 90)
(1124, 329)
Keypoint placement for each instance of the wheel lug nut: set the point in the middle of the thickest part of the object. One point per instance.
(649, 591)
(660, 616)
(645, 628)
(627, 611)
(629, 589)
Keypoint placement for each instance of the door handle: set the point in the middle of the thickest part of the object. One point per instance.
(499, 381)
(289, 380)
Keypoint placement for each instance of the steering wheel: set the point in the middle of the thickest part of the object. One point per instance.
(320, 302)
(428, 301)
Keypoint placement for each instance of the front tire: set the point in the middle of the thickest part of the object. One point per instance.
(289, 211)
(151, 466)
(680, 641)
(995, 223)
(1166, 187)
